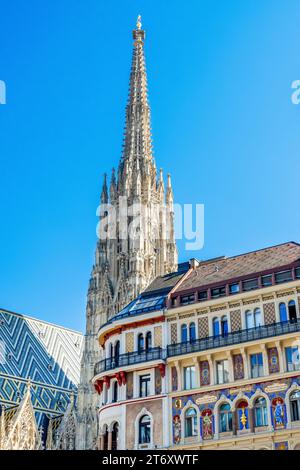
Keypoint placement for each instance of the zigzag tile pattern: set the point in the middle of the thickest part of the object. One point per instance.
(47, 354)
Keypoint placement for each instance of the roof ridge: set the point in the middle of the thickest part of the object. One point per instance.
(225, 258)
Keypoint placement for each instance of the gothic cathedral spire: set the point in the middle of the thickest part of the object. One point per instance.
(126, 264)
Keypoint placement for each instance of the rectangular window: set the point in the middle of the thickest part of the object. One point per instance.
(202, 295)
(297, 273)
(257, 369)
(266, 280)
(222, 371)
(292, 359)
(250, 284)
(189, 377)
(234, 288)
(187, 299)
(173, 301)
(218, 292)
(284, 276)
(145, 385)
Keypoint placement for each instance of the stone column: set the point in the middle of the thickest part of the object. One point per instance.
(109, 446)
(280, 356)
(211, 370)
(230, 366)
(179, 376)
(197, 372)
(245, 362)
(251, 418)
(234, 422)
(265, 360)
(101, 442)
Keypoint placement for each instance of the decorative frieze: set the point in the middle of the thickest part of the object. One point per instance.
(285, 293)
(251, 301)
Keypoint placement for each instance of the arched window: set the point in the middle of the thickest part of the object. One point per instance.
(105, 438)
(295, 406)
(111, 350)
(115, 433)
(148, 340)
(216, 327)
(144, 430)
(260, 412)
(190, 422)
(282, 312)
(117, 353)
(257, 317)
(140, 343)
(292, 311)
(115, 392)
(184, 333)
(224, 326)
(192, 329)
(225, 418)
(249, 319)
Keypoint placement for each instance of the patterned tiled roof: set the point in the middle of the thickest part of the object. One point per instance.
(224, 269)
(46, 354)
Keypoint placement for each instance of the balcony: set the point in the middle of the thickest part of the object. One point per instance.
(129, 359)
(237, 337)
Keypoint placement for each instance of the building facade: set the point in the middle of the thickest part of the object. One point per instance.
(196, 355)
(211, 362)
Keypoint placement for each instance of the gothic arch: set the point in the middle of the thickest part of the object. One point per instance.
(222, 400)
(259, 393)
(239, 398)
(294, 387)
(143, 412)
(188, 405)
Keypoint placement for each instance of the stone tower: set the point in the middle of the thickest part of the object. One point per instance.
(139, 247)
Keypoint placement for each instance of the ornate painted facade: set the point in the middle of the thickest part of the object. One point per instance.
(226, 373)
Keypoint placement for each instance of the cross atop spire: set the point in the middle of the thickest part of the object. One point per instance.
(139, 22)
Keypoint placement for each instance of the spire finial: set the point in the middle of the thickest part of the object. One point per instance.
(29, 384)
(139, 22)
(104, 193)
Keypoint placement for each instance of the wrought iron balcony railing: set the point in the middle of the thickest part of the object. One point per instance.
(242, 336)
(128, 359)
(198, 345)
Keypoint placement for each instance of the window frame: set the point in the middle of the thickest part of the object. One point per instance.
(144, 385)
(144, 430)
(190, 422)
(262, 409)
(189, 379)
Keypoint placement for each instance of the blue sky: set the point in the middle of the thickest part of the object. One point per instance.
(220, 77)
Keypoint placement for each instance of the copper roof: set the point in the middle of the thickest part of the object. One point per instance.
(245, 265)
